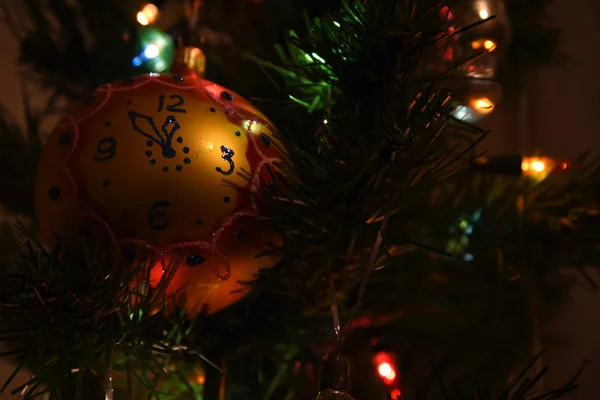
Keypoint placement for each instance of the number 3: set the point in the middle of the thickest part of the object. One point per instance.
(227, 156)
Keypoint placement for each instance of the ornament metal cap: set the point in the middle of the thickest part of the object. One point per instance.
(334, 376)
(189, 59)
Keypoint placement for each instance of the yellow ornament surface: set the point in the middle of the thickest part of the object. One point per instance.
(171, 163)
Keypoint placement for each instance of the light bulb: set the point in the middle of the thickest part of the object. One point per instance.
(151, 51)
(142, 19)
(538, 166)
(482, 105)
(330, 394)
(483, 13)
(147, 15)
(489, 45)
(334, 381)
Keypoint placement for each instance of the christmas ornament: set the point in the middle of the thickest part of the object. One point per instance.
(169, 163)
(334, 381)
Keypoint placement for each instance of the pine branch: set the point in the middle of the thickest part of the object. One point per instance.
(73, 307)
(377, 146)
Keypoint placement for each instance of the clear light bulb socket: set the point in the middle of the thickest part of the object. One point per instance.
(334, 376)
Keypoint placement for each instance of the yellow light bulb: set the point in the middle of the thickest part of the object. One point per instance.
(489, 45)
(147, 15)
(142, 19)
(538, 166)
(482, 106)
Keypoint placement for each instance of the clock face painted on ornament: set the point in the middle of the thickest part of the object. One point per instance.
(160, 159)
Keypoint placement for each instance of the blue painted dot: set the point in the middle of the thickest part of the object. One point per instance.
(226, 199)
(186, 150)
(226, 96)
(194, 260)
(179, 167)
(187, 161)
(166, 169)
(265, 139)
(153, 161)
(199, 222)
(148, 153)
(129, 102)
(149, 143)
(179, 139)
(54, 192)
(64, 139)
(90, 99)
(107, 124)
(212, 109)
(238, 133)
(106, 183)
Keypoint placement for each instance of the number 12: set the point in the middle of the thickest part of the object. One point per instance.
(171, 107)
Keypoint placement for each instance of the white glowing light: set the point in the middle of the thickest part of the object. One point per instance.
(151, 51)
(484, 14)
(386, 371)
(160, 66)
(538, 166)
(325, 122)
(461, 113)
(466, 113)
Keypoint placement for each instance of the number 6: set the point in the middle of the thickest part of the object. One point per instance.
(158, 219)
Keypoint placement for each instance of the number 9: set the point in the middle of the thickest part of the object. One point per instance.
(158, 219)
(107, 147)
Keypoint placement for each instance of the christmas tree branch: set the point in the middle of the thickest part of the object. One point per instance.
(75, 310)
